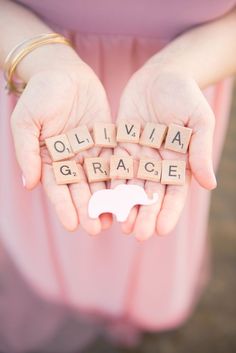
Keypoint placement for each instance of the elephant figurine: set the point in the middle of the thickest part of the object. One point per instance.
(118, 201)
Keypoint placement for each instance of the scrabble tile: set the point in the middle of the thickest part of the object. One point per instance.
(149, 169)
(80, 139)
(153, 135)
(121, 167)
(104, 134)
(97, 169)
(178, 138)
(66, 172)
(173, 172)
(128, 131)
(59, 147)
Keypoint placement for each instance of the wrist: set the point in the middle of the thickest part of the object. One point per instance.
(167, 65)
(48, 57)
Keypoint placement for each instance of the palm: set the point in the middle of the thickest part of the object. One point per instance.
(56, 102)
(164, 99)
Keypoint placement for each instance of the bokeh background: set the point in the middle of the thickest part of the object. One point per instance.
(212, 328)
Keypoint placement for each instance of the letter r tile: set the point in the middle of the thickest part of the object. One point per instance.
(97, 169)
(59, 147)
(178, 138)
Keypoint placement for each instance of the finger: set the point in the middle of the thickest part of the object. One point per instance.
(145, 224)
(122, 153)
(80, 193)
(60, 197)
(200, 152)
(172, 206)
(105, 218)
(26, 140)
(128, 225)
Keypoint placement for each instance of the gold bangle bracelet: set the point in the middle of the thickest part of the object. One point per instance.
(23, 44)
(18, 53)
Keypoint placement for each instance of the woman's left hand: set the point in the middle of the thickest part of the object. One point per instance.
(167, 97)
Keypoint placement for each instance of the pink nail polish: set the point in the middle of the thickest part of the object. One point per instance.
(23, 180)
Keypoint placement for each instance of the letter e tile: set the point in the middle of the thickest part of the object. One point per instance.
(173, 172)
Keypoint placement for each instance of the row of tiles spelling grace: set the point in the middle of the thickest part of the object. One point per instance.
(176, 138)
(96, 169)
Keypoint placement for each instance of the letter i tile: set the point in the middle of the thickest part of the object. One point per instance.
(104, 134)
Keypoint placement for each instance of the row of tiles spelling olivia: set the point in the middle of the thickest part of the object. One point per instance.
(116, 167)
(64, 146)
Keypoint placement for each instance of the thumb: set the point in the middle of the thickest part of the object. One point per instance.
(26, 140)
(200, 151)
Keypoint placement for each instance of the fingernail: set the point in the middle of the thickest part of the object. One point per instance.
(23, 180)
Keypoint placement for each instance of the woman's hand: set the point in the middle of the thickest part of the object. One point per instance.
(167, 97)
(55, 101)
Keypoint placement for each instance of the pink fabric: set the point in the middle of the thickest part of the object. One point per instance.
(111, 279)
(145, 18)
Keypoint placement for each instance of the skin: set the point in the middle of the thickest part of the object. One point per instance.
(64, 92)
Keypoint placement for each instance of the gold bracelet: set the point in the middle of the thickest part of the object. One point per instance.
(20, 51)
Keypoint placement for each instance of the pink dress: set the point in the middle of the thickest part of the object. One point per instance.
(60, 290)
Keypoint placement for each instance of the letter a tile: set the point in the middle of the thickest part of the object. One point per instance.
(121, 167)
(178, 138)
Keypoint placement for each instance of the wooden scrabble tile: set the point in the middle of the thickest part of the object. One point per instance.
(149, 169)
(104, 134)
(153, 135)
(59, 147)
(178, 138)
(121, 167)
(173, 172)
(97, 169)
(66, 172)
(80, 139)
(128, 131)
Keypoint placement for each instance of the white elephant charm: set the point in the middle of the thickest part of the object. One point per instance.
(118, 201)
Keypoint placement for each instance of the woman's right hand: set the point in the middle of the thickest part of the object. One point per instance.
(54, 101)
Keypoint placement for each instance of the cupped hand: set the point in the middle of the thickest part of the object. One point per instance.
(53, 102)
(167, 97)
